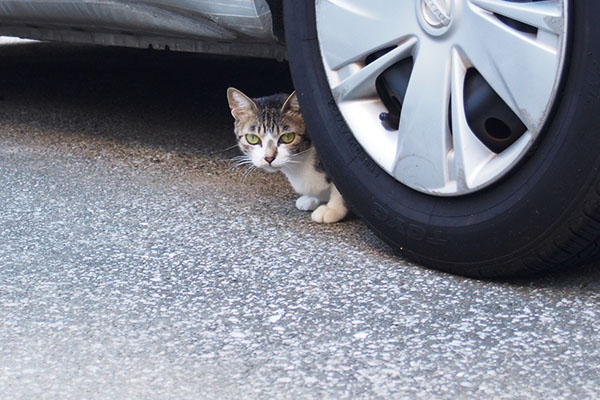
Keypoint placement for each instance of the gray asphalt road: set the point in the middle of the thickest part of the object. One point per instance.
(135, 263)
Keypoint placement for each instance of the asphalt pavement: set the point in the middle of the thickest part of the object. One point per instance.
(137, 263)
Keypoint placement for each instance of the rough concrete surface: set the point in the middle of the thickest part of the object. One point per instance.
(136, 263)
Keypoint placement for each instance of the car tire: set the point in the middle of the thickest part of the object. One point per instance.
(542, 214)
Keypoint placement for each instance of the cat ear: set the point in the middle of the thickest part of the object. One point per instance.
(239, 103)
(291, 104)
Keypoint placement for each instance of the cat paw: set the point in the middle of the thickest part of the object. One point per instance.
(327, 214)
(307, 203)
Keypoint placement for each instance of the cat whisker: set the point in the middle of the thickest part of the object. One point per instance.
(242, 157)
(248, 172)
(302, 152)
(238, 161)
(230, 147)
(231, 161)
(224, 150)
(239, 164)
(238, 158)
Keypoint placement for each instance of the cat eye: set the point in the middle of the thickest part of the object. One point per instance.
(287, 138)
(252, 139)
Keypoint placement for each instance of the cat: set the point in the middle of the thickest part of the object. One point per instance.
(272, 136)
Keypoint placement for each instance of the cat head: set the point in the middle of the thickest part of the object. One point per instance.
(270, 130)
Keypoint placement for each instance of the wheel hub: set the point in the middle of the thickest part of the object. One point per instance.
(435, 16)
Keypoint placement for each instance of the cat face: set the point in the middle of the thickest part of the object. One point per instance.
(270, 130)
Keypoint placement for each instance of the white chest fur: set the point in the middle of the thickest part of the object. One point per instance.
(306, 179)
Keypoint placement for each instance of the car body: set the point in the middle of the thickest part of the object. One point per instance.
(238, 27)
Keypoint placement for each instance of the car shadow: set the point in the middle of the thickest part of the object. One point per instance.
(584, 278)
(168, 99)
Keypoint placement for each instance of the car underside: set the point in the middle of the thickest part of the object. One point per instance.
(237, 27)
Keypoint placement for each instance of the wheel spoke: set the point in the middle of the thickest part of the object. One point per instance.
(362, 83)
(470, 155)
(424, 138)
(521, 70)
(546, 15)
(350, 30)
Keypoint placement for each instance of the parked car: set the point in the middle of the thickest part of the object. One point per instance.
(464, 132)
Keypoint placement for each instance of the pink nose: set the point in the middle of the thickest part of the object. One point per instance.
(269, 159)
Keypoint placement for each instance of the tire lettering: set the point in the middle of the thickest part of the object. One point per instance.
(415, 232)
(593, 88)
(409, 230)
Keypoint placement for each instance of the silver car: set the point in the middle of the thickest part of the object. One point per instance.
(464, 132)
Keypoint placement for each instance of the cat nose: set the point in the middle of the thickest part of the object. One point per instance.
(269, 159)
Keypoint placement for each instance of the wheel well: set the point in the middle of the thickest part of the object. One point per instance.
(276, 7)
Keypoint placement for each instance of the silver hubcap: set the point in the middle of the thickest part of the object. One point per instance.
(516, 47)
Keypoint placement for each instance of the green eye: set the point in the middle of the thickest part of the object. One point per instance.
(252, 139)
(287, 138)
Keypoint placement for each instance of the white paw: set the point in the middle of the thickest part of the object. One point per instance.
(307, 203)
(328, 215)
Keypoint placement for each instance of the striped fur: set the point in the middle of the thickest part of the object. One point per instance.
(261, 126)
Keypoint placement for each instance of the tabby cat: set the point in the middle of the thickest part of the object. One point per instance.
(271, 133)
